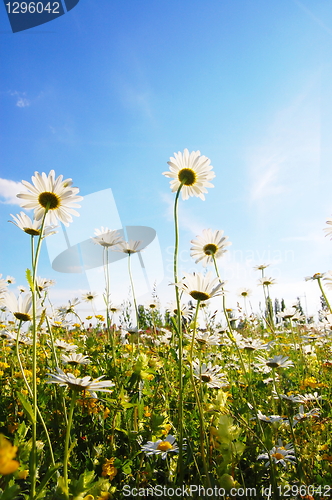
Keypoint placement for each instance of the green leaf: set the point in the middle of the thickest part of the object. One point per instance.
(40, 490)
(27, 407)
(10, 493)
(28, 276)
(83, 484)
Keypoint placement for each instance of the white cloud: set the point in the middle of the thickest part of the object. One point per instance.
(21, 100)
(8, 191)
(286, 159)
(312, 16)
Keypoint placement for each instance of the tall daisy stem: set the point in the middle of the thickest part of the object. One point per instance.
(180, 470)
(133, 292)
(33, 455)
(66, 452)
(199, 404)
(324, 294)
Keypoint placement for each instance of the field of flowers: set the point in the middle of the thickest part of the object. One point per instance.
(184, 402)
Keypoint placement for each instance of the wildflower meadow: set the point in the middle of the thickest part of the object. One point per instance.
(157, 400)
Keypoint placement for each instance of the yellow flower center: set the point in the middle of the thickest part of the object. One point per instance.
(199, 295)
(164, 446)
(50, 200)
(90, 297)
(272, 364)
(187, 176)
(32, 232)
(278, 456)
(22, 316)
(206, 378)
(210, 249)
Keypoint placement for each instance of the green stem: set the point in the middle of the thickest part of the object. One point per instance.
(133, 292)
(203, 440)
(33, 455)
(180, 470)
(323, 293)
(30, 393)
(247, 377)
(67, 438)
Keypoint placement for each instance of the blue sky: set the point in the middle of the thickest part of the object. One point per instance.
(108, 92)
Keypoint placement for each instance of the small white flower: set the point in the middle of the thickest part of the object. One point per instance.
(20, 307)
(79, 384)
(75, 359)
(277, 362)
(55, 194)
(209, 374)
(200, 287)
(89, 296)
(266, 281)
(129, 247)
(106, 237)
(279, 454)
(61, 344)
(32, 227)
(185, 311)
(161, 447)
(302, 415)
(208, 246)
(191, 169)
(270, 418)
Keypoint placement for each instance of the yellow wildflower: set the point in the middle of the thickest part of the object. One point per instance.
(104, 495)
(23, 474)
(107, 411)
(109, 469)
(7, 453)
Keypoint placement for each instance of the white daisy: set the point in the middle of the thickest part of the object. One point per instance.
(32, 227)
(64, 310)
(114, 309)
(75, 359)
(209, 374)
(270, 418)
(277, 362)
(266, 281)
(56, 194)
(328, 230)
(10, 280)
(21, 306)
(161, 447)
(185, 310)
(302, 415)
(200, 287)
(244, 292)
(22, 339)
(206, 338)
(89, 296)
(61, 344)
(191, 169)
(209, 245)
(106, 237)
(250, 344)
(128, 247)
(261, 267)
(44, 283)
(3, 284)
(328, 279)
(79, 384)
(279, 454)
(316, 276)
